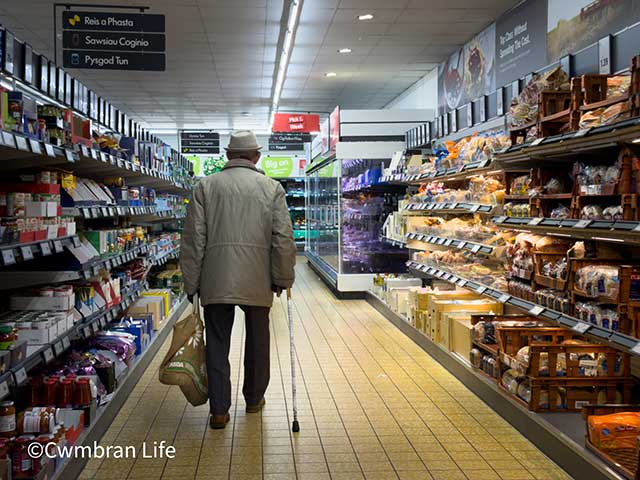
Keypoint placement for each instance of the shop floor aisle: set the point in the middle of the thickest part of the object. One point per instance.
(372, 405)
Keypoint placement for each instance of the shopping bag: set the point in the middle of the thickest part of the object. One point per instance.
(185, 362)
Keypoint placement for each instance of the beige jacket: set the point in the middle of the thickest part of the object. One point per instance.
(237, 239)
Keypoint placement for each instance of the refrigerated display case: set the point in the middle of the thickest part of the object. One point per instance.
(295, 190)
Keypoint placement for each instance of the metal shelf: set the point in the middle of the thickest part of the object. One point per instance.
(473, 247)
(395, 243)
(445, 175)
(617, 340)
(23, 252)
(451, 207)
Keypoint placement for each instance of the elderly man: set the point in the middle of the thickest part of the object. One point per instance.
(237, 249)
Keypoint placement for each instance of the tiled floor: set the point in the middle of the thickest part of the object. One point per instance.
(372, 405)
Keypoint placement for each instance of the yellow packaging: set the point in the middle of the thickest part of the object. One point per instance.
(444, 327)
(166, 296)
(461, 336)
(458, 305)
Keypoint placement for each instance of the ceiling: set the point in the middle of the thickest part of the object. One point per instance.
(222, 54)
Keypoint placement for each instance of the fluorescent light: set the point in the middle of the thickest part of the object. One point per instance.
(637, 140)
(345, 50)
(366, 16)
(330, 74)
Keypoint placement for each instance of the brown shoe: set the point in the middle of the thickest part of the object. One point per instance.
(257, 407)
(218, 422)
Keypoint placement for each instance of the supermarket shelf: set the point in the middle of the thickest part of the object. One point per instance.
(107, 413)
(394, 242)
(555, 442)
(102, 211)
(163, 259)
(473, 247)
(86, 162)
(620, 231)
(23, 252)
(378, 187)
(83, 329)
(452, 208)
(567, 146)
(446, 175)
(617, 340)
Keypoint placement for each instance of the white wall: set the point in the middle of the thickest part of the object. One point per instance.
(422, 94)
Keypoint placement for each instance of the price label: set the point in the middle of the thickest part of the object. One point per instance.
(20, 376)
(86, 275)
(8, 139)
(66, 342)
(95, 271)
(21, 142)
(69, 155)
(475, 208)
(4, 390)
(57, 246)
(112, 160)
(94, 154)
(441, 241)
(582, 132)
(26, 252)
(47, 355)
(504, 298)
(76, 242)
(8, 258)
(102, 322)
(35, 146)
(103, 157)
(85, 151)
(582, 224)
(86, 332)
(635, 349)
(120, 211)
(112, 212)
(448, 242)
(581, 327)
(537, 310)
(59, 348)
(536, 221)
(85, 213)
(108, 264)
(49, 150)
(104, 211)
(462, 282)
(476, 248)
(441, 274)
(453, 206)
(461, 245)
(500, 220)
(481, 289)
(537, 141)
(127, 165)
(45, 248)
(95, 327)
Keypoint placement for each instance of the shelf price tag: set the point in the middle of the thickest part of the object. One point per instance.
(635, 349)
(57, 246)
(462, 282)
(94, 154)
(4, 390)
(26, 252)
(69, 155)
(537, 141)
(535, 221)
(461, 245)
(581, 327)
(20, 376)
(76, 241)
(504, 298)
(476, 248)
(500, 220)
(8, 258)
(453, 206)
(102, 322)
(66, 342)
(85, 150)
(582, 224)
(8, 139)
(475, 208)
(105, 211)
(35, 146)
(536, 310)
(49, 150)
(581, 133)
(481, 289)
(47, 355)
(103, 157)
(21, 142)
(448, 242)
(58, 348)
(86, 332)
(45, 248)
(95, 327)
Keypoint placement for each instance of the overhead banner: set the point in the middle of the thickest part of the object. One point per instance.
(113, 41)
(283, 167)
(199, 143)
(295, 122)
(289, 142)
(521, 38)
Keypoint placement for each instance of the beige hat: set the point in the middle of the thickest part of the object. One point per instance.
(243, 141)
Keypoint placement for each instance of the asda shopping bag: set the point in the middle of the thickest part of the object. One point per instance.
(185, 362)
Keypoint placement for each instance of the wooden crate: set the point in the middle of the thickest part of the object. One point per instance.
(624, 460)
(634, 89)
(626, 268)
(540, 279)
(554, 109)
(512, 339)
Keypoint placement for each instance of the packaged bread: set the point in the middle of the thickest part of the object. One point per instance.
(614, 431)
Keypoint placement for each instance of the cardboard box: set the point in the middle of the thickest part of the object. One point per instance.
(165, 294)
(45, 333)
(65, 303)
(41, 209)
(457, 305)
(149, 305)
(445, 326)
(461, 337)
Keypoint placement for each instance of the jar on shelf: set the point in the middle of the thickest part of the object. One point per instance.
(82, 392)
(65, 393)
(50, 392)
(21, 461)
(7, 419)
(5, 448)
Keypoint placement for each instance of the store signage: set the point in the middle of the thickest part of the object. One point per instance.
(289, 142)
(295, 122)
(113, 41)
(334, 129)
(277, 167)
(206, 143)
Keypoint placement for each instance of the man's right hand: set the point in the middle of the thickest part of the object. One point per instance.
(277, 290)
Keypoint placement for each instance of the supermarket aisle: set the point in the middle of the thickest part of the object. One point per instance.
(372, 405)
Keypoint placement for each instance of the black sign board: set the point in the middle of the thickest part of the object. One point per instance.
(112, 22)
(155, 62)
(288, 142)
(123, 42)
(207, 143)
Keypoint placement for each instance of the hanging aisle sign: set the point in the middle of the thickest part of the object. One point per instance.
(113, 41)
(289, 142)
(194, 142)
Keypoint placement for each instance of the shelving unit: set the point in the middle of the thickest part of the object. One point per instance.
(295, 189)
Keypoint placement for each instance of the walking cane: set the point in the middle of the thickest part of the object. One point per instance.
(295, 426)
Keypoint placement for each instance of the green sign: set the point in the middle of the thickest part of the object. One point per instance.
(328, 171)
(278, 167)
(197, 164)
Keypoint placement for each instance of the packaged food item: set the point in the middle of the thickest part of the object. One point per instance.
(7, 419)
(614, 431)
(561, 212)
(592, 212)
(596, 281)
(511, 379)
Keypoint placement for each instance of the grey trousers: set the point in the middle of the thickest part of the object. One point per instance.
(219, 322)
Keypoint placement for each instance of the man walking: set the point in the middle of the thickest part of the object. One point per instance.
(237, 249)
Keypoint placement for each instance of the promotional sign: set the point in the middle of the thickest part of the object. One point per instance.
(521, 41)
(324, 135)
(334, 129)
(278, 167)
(113, 41)
(290, 142)
(295, 122)
(207, 143)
